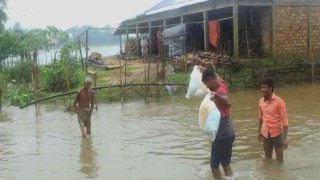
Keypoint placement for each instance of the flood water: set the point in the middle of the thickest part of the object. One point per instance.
(156, 141)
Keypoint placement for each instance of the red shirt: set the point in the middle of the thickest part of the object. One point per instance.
(223, 90)
(273, 115)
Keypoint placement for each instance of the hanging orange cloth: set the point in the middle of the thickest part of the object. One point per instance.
(214, 32)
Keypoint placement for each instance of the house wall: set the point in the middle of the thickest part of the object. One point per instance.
(315, 15)
(291, 31)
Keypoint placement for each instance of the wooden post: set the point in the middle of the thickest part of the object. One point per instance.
(164, 24)
(273, 30)
(87, 49)
(235, 30)
(125, 79)
(158, 88)
(163, 73)
(120, 44)
(310, 42)
(145, 87)
(127, 41)
(205, 30)
(0, 99)
(35, 95)
(148, 81)
(82, 65)
(150, 37)
(120, 71)
(137, 40)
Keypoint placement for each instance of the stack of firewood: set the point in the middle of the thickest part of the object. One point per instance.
(207, 59)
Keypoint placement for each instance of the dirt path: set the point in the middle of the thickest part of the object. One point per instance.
(135, 70)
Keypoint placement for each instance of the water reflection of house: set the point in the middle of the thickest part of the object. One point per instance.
(265, 27)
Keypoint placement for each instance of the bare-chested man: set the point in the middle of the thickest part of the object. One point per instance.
(85, 101)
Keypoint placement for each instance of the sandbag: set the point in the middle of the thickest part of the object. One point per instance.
(196, 87)
(209, 117)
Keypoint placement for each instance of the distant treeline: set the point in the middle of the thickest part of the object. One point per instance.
(97, 36)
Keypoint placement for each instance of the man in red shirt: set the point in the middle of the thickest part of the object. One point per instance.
(221, 149)
(273, 121)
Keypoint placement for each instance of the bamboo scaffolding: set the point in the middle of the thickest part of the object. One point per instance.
(99, 88)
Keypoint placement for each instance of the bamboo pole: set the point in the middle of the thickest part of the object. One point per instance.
(235, 29)
(148, 80)
(0, 99)
(125, 79)
(99, 88)
(87, 49)
(120, 72)
(158, 88)
(150, 38)
(125, 73)
(35, 95)
(206, 30)
(145, 89)
(252, 64)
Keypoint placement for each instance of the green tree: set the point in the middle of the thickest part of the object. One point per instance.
(3, 15)
(9, 46)
(56, 38)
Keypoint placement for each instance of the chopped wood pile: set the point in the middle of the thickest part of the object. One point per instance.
(207, 59)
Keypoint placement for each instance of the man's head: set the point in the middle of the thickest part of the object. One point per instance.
(210, 79)
(87, 83)
(267, 86)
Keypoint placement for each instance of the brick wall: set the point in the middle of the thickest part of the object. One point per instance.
(315, 15)
(291, 31)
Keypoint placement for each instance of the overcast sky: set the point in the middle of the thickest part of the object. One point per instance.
(68, 13)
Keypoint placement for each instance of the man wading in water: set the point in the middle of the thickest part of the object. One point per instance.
(273, 121)
(85, 101)
(221, 150)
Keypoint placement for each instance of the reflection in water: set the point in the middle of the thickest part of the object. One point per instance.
(88, 158)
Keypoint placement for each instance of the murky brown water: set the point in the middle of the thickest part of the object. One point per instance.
(154, 141)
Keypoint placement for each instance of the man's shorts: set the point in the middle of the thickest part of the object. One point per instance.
(221, 152)
(84, 118)
(276, 142)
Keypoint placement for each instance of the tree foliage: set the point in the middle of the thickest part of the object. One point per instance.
(10, 46)
(3, 15)
(64, 74)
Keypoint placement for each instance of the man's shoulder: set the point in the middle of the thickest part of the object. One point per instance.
(223, 89)
(261, 100)
(279, 99)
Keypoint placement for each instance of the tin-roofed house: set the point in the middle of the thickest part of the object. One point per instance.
(239, 28)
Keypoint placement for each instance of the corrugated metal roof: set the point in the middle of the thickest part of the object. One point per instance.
(166, 5)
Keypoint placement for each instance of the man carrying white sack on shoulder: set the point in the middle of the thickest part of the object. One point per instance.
(221, 151)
